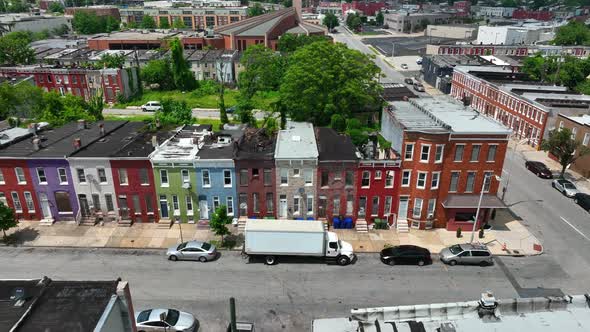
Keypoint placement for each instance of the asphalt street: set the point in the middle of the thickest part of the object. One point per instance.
(199, 113)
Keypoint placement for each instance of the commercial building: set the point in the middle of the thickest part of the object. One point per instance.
(447, 153)
(508, 50)
(487, 11)
(132, 39)
(366, 8)
(111, 11)
(514, 35)
(457, 31)
(539, 15)
(195, 18)
(411, 22)
(329, 7)
(580, 127)
(25, 22)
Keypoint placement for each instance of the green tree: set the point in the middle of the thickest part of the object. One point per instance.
(331, 21)
(424, 23)
(7, 219)
(564, 147)
(56, 7)
(183, 77)
(255, 10)
(324, 78)
(355, 23)
(15, 49)
(573, 33)
(174, 112)
(178, 24)
(96, 106)
(535, 66)
(148, 22)
(219, 221)
(111, 61)
(263, 71)
(89, 23)
(110, 24)
(380, 19)
(289, 43)
(60, 30)
(18, 6)
(164, 24)
(509, 3)
(338, 123)
(158, 72)
(359, 137)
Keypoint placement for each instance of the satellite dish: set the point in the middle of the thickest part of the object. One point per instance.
(186, 185)
(301, 190)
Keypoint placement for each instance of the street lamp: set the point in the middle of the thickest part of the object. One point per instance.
(505, 188)
(483, 185)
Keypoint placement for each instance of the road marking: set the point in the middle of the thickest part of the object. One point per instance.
(574, 227)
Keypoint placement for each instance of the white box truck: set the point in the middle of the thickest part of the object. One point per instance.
(271, 239)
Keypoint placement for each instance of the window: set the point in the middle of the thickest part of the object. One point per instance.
(296, 172)
(96, 201)
(362, 206)
(421, 180)
(284, 176)
(1, 177)
(243, 204)
(136, 205)
(349, 180)
(425, 153)
(406, 174)
(409, 155)
(226, 178)
(230, 205)
(149, 207)
(254, 172)
(574, 132)
(475, 152)
(309, 204)
(184, 175)
(417, 211)
(267, 177)
(308, 175)
(205, 178)
(20, 175)
(63, 177)
(337, 176)
(215, 202)
(336, 206)
(366, 179)
(492, 152)
(435, 180)
(144, 179)
(189, 204)
(270, 205)
(41, 175)
(123, 176)
(470, 182)
(431, 208)
(175, 204)
(81, 175)
(387, 209)
(438, 154)
(454, 182)
(102, 175)
(459, 152)
(164, 178)
(377, 175)
(256, 202)
(296, 204)
(389, 179)
(29, 202)
(349, 204)
(108, 199)
(585, 141)
(487, 177)
(243, 177)
(16, 201)
(324, 178)
(375, 206)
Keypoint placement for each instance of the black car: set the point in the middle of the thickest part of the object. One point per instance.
(409, 81)
(539, 169)
(582, 200)
(406, 254)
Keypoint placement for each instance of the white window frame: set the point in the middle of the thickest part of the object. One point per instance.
(574, 132)
(31, 207)
(20, 170)
(206, 180)
(85, 181)
(296, 172)
(284, 175)
(392, 178)
(41, 169)
(308, 175)
(165, 173)
(229, 200)
(373, 206)
(216, 202)
(123, 171)
(462, 153)
(487, 175)
(586, 139)
(185, 176)
(422, 146)
(433, 185)
(309, 205)
(431, 207)
(225, 185)
(418, 179)
(388, 203)
(363, 178)
(98, 169)
(65, 175)
(147, 177)
(175, 205)
(378, 175)
(411, 157)
(189, 201)
(451, 181)
(2, 177)
(442, 152)
(417, 207)
(409, 178)
(15, 200)
(297, 211)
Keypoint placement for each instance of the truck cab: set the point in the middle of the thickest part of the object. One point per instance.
(336, 248)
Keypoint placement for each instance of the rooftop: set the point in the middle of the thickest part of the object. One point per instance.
(220, 145)
(583, 120)
(143, 144)
(256, 144)
(106, 145)
(183, 145)
(297, 141)
(335, 147)
(144, 35)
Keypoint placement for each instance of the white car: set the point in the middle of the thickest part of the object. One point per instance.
(565, 187)
(419, 61)
(151, 106)
(404, 66)
(168, 320)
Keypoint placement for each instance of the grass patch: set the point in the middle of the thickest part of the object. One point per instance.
(132, 118)
(374, 50)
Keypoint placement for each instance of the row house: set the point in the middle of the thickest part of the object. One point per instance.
(256, 176)
(508, 50)
(215, 174)
(580, 128)
(449, 154)
(296, 161)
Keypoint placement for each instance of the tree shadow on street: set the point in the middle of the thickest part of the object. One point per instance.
(20, 236)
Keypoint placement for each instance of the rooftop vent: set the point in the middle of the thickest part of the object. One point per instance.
(296, 138)
(447, 327)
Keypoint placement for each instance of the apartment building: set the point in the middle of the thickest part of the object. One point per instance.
(580, 128)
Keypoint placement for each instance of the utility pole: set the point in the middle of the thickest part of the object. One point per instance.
(232, 314)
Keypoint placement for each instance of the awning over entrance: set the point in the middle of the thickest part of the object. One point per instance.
(470, 201)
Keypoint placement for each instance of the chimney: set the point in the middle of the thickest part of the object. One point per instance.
(81, 124)
(196, 140)
(101, 128)
(36, 144)
(77, 143)
(297, 5)
(155, 141)
(33, 128)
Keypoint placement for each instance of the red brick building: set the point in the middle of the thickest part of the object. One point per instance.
(447, 151)
(540, 15)
(366, 7)
(509, 50)
(17, 190)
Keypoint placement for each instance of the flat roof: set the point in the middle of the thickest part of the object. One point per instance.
(415, 120)
(142, 35)
(214, 148)
(256, 144)
(141, 146)
(583, 120)
(297, 141)
(335, 147)
(273, 225)
(106, 145)
(184, 145)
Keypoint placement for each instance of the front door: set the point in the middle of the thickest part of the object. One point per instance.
(204, 210)
(283, 207)
(164, 207)
(84, 208)
(45, 205)
(123, 208)
(403, 208)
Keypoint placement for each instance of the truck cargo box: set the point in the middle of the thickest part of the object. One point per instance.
(284, 237)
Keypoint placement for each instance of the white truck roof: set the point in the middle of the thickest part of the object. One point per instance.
(274, 225)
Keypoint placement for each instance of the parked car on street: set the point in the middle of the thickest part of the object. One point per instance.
(418, 87)
(406, 254)
(467, 253)
(404, 66)
(419, 61)
(151, 106)
(409, 81)
(582, 200)
(169, 320)
(192, 251)
(565, 187)
(539, 169)
(230, 110)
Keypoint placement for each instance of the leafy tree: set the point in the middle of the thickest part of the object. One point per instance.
(178, 24)
(164, 24)
(331, 21)
(355, 23)
(568, 71)
(56, 7)
(573, 33)
(18, 6)
(111, 61)
(148, 22)
(509, 3)
(60, 30)
(263, 71)
(183, 77)
(111, 24)
(158, 72)
(424, 23)
(7, 219)
(338, 123)
(219, 221)
(380, 18)
(96, 106)
(564, 147)
(174, 112)
(324, 78)
(90, 23)
(534, 66)
(255, 10)
(40, 35)
(15, 49)
(289, 43)
(359, 137)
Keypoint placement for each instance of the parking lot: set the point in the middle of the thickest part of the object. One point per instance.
(404, 45)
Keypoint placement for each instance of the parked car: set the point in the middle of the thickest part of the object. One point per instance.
(539, 169)
(565, 187)
(418, 87)
(466, 254)
(192, 251)
(419, 61)
(406, 254)
(230, 110)
(409, 81)
(582, 200)
(169, 320)
(404, 66)
(151, 106)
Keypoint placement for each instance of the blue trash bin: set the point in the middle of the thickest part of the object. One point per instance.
(310, 218)
(336, 222)
(348, 223)
(299, 219)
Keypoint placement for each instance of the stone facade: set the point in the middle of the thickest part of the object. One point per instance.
(296, 197)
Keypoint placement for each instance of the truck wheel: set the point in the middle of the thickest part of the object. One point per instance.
(270, 260)
(343, 260)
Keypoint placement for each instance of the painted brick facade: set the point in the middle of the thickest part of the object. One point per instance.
(10, 186)
(135, 186)
(216, 184)
(377, 193)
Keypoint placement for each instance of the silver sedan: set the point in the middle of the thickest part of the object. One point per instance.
(192, 251)
(565, 187)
